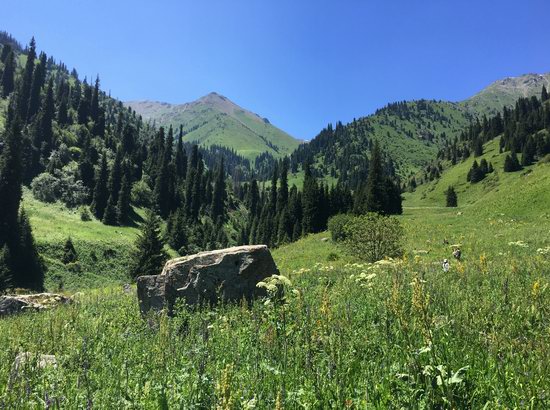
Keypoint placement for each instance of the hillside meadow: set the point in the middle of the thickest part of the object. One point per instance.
(397, 334)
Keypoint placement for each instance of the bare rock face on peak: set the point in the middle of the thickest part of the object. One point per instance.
(227, 275)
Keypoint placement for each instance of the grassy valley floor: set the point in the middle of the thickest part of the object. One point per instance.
(402, 334)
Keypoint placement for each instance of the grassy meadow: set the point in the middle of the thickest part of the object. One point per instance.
(397, 334)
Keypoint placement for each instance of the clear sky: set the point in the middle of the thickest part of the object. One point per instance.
(302, 64)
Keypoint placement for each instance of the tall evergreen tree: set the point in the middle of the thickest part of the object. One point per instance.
(38, 79)
(7, 82)
(123, 205)
(375, 188)
(544, 94)
(10, 178)
(149, 255)
(101, 192)
(94, 103)
(282, 195)
(451, 197)
(28, 267)
(5, 269)
(310, 202)
(219, 195)
(24, 92)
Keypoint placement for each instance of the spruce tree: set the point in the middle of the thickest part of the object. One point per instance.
(219, 194)
(310, 202)
(123, 205)
(94, 103)
(451, 197)
(5, 269)
(24, 92)
(110, 214)
(28, 267)
(7, 82)
(375, 189)
(282, 195)
(101, 192)
(511, 163)
(10, 178)
(69, 252)
(38, 78)
(544, 94)
(149, 255)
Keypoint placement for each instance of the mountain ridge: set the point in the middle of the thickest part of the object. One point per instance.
(214, 119)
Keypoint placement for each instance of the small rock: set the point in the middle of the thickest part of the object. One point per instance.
(13, 304)
(324, 239)
(32, 361)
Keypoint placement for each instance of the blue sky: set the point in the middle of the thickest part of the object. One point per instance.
(302, 64)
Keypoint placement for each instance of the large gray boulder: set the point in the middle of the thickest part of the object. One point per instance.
(226, 274)
(12, 304)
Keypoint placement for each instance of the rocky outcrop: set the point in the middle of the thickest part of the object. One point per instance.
(10, 305)
(227, 274)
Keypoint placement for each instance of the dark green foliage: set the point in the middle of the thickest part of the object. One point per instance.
(10, 178)
(110, 214)
(69, 252)
(38, 78)
(27, 265)
(7, 80)
(5, 269)
(219, 194)
(336, 226)
(371, 237)
(25, 84)
(149, 256)
(123, 205)
(176, 231)
(451, 198)
(544, 94)
(101, 193)
(511, 163)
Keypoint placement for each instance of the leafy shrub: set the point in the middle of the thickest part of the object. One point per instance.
(63, 184)
(336, 226)
(45, 187)
(331, 257)
(141, 194)
(372, 237)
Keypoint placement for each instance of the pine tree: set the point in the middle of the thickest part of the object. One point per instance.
(27, 264)
(310, 202)
(101, 193)
(10, 179)
(115, 176)
(451, 197)
(7, 82)
(94, 104)
(38, 78)
(219, 194)
(69, 252)
(110, 214)
(5, 269)
(149, 255)
(511, 163)
(375, 189)
(544, 94)
(176, 231)
(180, 159)
(282, 195)
(123, 205)
(24, 92)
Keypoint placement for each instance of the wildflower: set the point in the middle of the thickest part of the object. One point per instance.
(519, 244)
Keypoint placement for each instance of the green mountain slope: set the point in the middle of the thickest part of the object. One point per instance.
(521, 194)
(505, 92)
(215, 120)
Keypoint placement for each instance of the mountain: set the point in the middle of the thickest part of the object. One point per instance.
(505, 92)
(216, 120)
(410, 132)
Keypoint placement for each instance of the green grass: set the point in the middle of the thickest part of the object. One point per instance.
(348, 335)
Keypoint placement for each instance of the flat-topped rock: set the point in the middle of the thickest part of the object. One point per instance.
(227, 275)
(12, 304)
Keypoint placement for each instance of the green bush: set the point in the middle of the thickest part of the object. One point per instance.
(372, 237)
(141, 194)
(336, 226)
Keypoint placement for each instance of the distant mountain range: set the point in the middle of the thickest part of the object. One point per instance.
(216, 120)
